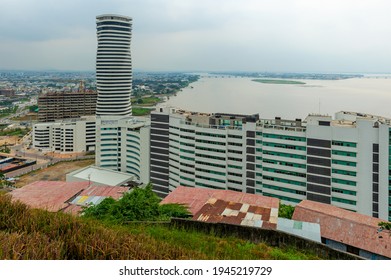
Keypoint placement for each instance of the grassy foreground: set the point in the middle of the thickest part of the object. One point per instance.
(34, 234)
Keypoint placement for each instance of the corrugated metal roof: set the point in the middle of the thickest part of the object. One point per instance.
(58, 195)
(88, 200)
(303, 229)
(49, 195)
(221, 211)
(345, 226)
(223, 206)
(195, 198)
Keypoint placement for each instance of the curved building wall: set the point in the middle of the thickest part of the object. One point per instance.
(114, 65)
(123, 145)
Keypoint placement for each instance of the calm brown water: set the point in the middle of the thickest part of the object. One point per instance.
(243, 96)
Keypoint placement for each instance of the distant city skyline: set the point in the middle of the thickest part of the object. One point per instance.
(198, 35)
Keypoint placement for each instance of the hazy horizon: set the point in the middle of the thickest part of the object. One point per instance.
(203, 71)
(199, 35)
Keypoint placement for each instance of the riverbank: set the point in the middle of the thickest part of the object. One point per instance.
(278, 82)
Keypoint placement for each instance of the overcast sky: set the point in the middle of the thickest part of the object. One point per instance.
(194, 35)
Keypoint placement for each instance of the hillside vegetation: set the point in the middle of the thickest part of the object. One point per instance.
(278, 82)
(27, 233)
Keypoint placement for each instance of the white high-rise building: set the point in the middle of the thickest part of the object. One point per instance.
(122, 141)
(343, 161)
(113, 65)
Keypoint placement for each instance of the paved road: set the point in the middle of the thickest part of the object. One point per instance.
(42, 160)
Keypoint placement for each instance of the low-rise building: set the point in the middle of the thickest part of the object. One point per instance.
(65, 136)
(98, 176)
(67, 197)
(345, 230)
(223, 206)
(238, 208)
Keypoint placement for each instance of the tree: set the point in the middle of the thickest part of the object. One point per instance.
(174, 210)
(141, 204)
(385, 226)
(101, 210)
(285, 211)
(33, 108)
(4, 182)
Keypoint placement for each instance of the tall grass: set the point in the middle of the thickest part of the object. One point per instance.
(27, 233)
(37, 234)
(221, 248)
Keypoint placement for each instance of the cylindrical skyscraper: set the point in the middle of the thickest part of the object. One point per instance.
(113, 65)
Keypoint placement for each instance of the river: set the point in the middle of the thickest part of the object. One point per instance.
(371, 95)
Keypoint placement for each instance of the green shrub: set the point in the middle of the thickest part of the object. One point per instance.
(174, 210)
(137, 205)
(285, 211)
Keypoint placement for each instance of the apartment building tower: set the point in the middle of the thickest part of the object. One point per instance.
(65, 136)
(122, 141)
(342, 161)
(55, 106)
(113, 65)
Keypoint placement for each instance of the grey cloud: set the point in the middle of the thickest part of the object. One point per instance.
(258, 35)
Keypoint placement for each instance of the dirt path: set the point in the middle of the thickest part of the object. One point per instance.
(8, 140)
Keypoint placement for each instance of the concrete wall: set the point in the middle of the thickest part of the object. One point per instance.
(268, 236)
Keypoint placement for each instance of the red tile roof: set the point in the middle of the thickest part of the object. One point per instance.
(345, 226)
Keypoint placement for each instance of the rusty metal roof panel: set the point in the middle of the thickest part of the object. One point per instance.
(195, 198)
(269, 225)
(215, 211)
(234, 205)
(227, 206)
(232, 220)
